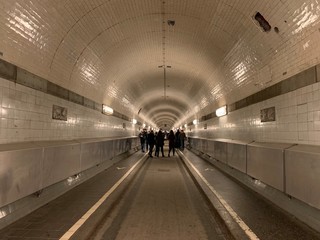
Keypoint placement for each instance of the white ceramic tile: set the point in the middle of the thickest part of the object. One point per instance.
(296, 123)
(28, 118)
(303, 127)
(218, 55)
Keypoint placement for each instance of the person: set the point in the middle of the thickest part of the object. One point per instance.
(160, 142)
(146, 139)
(156, 153)
(171, 139)
(177, 139)
(151, 142)
(142, 140)
(182, 139)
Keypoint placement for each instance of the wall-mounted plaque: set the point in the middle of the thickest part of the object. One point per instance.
(59, 113)
(268, 114)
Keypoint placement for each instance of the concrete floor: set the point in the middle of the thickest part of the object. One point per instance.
(163, 203)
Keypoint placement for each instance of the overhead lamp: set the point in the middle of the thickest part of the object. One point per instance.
(221, 111)
(134, 121)
(107, 110)
(185, 125)
(195, 122)
(144, 125)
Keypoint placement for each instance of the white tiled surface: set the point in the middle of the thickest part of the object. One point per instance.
(297, 120)
(26, 115)
(109, 51)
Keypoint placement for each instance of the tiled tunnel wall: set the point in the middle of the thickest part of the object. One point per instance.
(297, 114)
(26, 113)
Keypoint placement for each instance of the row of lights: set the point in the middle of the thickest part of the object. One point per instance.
(222, 111)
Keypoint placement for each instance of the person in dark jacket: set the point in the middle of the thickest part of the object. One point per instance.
(160, 142)
(182, 139)
(171, 139)
(156, 152)
(151, 142)
(177, 139)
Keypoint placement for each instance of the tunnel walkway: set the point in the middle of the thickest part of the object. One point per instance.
(162, 203)
(159, 202)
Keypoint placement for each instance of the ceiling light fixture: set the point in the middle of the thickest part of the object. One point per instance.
(221, 111)
(107, 110)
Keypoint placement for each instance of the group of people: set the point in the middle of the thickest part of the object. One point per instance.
(152, 139)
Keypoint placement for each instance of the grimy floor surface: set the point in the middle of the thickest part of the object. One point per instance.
(160, 201)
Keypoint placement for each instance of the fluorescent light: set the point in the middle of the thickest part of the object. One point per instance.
(107, 110)
(134, 121)
(195, 122)
(221, 111)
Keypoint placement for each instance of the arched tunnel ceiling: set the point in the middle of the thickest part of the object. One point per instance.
(124, 53)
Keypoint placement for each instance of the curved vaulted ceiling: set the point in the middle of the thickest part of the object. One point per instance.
(129, 55)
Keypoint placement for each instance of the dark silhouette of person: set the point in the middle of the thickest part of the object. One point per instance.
(160, 142)
(151, 142)
(182, 139)
(171, 139)
(177, 139)
(156, 152)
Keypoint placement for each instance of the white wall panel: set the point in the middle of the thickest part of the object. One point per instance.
(91, 153)
(237, 155)
(265, 162)
(60, 161)
(19, 172)
(303, 173)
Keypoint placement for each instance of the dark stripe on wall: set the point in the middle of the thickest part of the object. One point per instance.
(293, 83)
(7, 70)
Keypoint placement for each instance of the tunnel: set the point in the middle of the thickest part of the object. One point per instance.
(80, 80)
